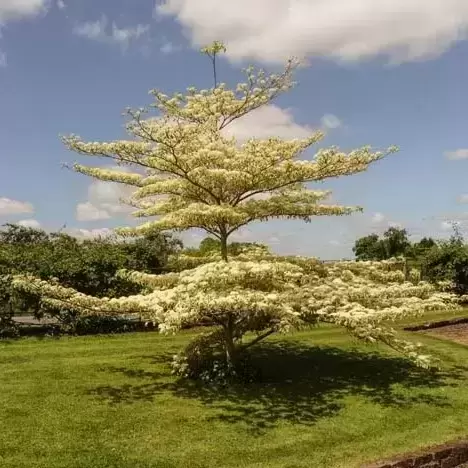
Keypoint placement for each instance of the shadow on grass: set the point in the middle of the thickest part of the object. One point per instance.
(299, 383)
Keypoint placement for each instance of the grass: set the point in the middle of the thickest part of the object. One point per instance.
(325, 401)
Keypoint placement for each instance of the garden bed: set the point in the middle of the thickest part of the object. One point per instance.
(455, 329)
(457, 333)
(438, 324)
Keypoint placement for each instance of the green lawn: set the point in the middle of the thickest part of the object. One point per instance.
(325, 401)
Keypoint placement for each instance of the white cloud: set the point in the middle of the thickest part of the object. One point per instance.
(456, 155)
(95, 30)
(15, 10)
(89, 233)
(169, 48)
(100, 31)
(273, 30)
(105, 200)
(244, 234)
(30, 223)
(463, 198)
(331, 121)
(378, 218)
(124, 36)
(444, 223)
(268, 121)
(446, 226)
(273, 240)
(381, 222)
(19, 9)
(11, 207)
(89, 212)
(192, 237)
(61, 4)
(110, 195)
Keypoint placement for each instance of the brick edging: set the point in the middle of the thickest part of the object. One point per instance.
(442, 323)
(449, 455)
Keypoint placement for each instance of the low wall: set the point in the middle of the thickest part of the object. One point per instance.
(448, 455)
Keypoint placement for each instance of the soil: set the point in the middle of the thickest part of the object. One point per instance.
(458, 332)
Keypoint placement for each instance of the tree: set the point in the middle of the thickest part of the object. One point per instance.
(394, 243)
(419, 250)
(425, 243)
(369, 248)
(190, 174)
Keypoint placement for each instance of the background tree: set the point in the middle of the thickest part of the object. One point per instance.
(446, 263)
(189, 174)
(14, 234)
(425, 243)
(442, 262)
(393, 243)
(396, 242)
(419, 249)
(369, 248)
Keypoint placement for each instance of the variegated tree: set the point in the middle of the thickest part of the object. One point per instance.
(188, 173)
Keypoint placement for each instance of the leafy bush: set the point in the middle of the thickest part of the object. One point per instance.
(8, 327)
(89, 266)
(10, 301)
(94, 325)
(448, 262)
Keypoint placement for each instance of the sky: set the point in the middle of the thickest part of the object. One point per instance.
(375, 72)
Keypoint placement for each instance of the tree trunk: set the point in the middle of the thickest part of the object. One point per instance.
(406, 270)
(224, 250)
(231, 351)
(231, 354)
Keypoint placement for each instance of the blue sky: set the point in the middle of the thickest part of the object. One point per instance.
(393, 73)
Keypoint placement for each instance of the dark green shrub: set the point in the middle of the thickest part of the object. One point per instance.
(97, 325)
(88, 266)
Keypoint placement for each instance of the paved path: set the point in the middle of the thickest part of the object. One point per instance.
(30, 320)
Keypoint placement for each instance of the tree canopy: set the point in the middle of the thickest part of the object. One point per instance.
(190, 174)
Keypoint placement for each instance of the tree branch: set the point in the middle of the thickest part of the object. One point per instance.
(257, 339)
